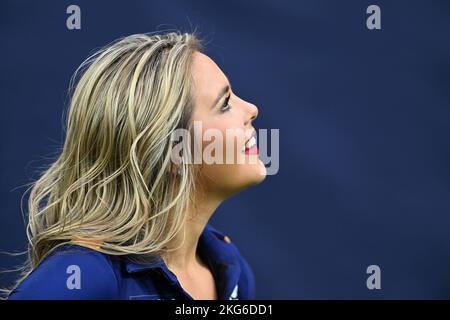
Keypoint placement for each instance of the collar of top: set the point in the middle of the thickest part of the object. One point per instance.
(213, 246)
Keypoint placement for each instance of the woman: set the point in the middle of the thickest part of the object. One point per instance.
(119, 214)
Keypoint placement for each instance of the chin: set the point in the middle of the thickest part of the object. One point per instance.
(258, 172)
(228, 180)
(249, 175)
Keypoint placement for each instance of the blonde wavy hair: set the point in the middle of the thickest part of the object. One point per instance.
(112, 183)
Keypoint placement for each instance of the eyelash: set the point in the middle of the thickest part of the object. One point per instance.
(226, 106)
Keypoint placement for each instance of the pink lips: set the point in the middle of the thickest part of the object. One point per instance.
(252, 150)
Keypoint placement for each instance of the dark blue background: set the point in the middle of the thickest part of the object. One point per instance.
(364, 130)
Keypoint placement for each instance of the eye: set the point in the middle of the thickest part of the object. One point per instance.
(226, 106)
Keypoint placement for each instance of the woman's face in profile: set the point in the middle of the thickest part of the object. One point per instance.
(223, 115)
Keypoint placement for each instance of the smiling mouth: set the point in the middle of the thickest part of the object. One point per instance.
(251, 145)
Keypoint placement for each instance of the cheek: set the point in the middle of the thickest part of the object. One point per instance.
(235, 171)
(219, 136)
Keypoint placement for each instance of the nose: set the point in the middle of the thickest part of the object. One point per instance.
(252, 113)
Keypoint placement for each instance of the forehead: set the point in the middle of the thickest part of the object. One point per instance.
(208, 79)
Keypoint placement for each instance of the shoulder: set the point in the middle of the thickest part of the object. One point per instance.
(70, 272)
(246, 278)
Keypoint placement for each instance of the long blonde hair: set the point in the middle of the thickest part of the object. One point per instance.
(112, 181)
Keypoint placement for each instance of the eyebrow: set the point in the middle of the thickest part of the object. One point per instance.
(221, 94)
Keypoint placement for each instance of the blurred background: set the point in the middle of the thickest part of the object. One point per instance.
(364, 120)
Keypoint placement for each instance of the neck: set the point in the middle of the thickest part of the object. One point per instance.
(184, 255)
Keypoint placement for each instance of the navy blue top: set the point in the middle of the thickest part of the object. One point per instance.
(76, 272)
